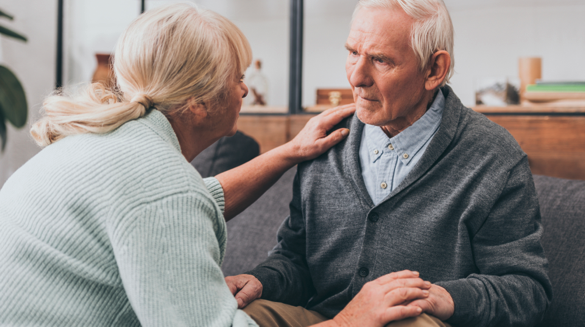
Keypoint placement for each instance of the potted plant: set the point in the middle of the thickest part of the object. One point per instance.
(13, 106)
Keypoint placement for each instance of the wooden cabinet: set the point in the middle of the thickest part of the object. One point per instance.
(553, 138)
(271, 131)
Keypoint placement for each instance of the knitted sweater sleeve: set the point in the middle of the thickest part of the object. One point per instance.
(167, 252)
(512, 287)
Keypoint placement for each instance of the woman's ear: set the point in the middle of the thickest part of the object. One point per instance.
(198, 109)
(438, 69)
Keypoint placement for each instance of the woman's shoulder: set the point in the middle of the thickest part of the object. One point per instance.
(133, 162)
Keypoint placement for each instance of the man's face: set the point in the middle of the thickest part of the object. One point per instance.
(382, 68)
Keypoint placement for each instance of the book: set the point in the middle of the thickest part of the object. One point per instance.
(541, 82)
(555, 88)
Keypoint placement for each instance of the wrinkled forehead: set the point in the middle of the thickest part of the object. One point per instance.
(380, 28)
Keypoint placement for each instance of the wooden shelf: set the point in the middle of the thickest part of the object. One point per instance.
(553, 137)
(263, 110)
(534, 109)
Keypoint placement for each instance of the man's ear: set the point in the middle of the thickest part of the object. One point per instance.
(198, 109)
(437, 70)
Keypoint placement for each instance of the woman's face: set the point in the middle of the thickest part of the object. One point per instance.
(237, 90)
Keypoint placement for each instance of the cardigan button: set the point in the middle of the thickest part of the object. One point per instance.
(364, 272)
(374, 217)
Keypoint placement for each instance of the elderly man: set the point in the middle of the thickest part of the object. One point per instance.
(421, 184)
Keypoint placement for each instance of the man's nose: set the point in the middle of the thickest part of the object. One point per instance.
(360, 75)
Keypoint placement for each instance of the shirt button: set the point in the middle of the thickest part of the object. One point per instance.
(376, 151)
(405, 156)
(374, 217)
(383, 185)
(364, 272)
(390, 146)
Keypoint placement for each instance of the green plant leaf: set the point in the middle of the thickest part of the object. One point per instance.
(2, 132)
(5, 14)
(11, 33)
(12, 98)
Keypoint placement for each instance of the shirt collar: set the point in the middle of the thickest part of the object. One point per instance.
(156, 121)
(407, 143)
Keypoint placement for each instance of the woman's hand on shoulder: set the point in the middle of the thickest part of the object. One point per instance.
(313, 140)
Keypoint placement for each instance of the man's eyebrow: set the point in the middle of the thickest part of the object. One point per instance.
(379, 55)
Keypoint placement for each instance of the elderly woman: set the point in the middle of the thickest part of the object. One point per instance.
(110, 225)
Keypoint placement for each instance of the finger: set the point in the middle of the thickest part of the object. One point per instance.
(424, 304)
(334, 109)
(405, 282)
(333, 138)
(247, 294)
(396, 275)
(231, 285)
(400, 312)
(332, 118)
(400, 296)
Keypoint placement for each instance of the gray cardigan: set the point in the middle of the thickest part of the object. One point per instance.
(466, 217)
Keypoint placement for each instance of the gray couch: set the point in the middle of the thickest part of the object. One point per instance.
(562, 203)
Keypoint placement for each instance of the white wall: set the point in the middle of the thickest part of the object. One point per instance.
(266, 25)
(490, 36)
(34, 65)
(489, 39)
(92, 27)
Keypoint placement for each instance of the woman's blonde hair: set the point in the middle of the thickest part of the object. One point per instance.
(164, 58)
(432, 31)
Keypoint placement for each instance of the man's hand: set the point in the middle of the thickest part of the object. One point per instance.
(439, 303)
(384, 300)
(245, 288)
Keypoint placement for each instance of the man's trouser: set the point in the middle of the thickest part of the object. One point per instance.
(273, 314)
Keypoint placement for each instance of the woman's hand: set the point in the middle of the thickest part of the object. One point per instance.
(313, 140)
(246, 183)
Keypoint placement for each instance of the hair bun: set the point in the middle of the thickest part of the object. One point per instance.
(144, 100)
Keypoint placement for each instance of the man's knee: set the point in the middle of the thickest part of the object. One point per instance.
(424, 320)
(268, 313)
(258, 309)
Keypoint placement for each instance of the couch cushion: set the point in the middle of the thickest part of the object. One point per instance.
(227, 153)
(252, 233)
(562, 206)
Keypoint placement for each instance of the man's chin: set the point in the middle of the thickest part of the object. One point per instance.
(368, 115)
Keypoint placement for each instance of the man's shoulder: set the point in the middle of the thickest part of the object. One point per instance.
(333, 160)
(475, 131)
(485, 134)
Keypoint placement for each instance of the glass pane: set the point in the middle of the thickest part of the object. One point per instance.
(266, 25)
(326, 27)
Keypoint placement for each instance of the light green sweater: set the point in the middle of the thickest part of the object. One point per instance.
(115, 229)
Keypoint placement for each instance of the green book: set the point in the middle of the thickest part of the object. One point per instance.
(556, 88)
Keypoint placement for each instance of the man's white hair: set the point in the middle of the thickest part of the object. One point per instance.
(432, 31)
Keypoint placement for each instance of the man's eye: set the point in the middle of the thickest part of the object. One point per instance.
(353, 53)
(378, 60)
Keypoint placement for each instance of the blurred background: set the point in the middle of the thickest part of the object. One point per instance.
(490, 37)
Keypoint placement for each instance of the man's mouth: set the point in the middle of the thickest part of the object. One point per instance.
(367, 98)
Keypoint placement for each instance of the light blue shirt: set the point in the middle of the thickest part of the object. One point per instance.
(387, 161)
